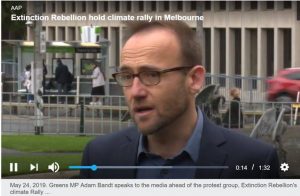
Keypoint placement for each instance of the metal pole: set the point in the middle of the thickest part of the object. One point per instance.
(38, 71)
(81, 118)
(77, 89)
(199, 25)
(296, 111)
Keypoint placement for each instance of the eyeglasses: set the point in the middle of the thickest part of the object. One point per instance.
(148, 78)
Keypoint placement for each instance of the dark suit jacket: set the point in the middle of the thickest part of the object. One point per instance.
(61, 74)
(219, 147)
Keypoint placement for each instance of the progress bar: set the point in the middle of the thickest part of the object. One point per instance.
(95, 167)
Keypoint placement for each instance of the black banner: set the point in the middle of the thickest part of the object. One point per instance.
(87, 50)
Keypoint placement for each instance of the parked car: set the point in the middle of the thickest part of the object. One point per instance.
(284, 86)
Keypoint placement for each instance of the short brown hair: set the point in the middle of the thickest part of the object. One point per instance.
(188, 41)
(234, 92)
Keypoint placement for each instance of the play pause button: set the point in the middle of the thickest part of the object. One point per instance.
(13, 167)
(34, 167)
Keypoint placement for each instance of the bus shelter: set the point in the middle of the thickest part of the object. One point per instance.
(78, 56)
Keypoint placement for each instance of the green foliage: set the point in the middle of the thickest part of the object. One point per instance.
(45, 143)
(87, 69)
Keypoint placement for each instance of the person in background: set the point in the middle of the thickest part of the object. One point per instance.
(44, 77)
(61, 78)
(97, 85)
(28, 84)
(234, 116)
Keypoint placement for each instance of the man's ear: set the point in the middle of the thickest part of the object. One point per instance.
(196, 78)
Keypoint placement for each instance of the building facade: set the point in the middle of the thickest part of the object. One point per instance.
(245, 38)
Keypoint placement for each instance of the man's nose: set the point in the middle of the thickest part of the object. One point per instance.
(138, 89)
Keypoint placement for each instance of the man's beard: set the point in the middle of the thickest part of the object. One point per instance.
(161, 122)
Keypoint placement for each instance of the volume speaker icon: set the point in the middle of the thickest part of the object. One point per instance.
(54, 167)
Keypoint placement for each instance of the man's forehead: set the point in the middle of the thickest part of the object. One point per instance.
(147, 43)
(151, 35)
(155, 47)
(142, 67)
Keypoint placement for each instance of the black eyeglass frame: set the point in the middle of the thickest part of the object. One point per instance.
(159, 72)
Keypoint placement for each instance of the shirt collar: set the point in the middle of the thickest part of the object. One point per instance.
(193, 145)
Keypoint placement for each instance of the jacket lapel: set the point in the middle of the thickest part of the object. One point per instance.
(211, 152)
(126, 156)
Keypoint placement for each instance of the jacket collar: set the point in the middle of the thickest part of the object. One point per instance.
(127, 154)
(211, 153)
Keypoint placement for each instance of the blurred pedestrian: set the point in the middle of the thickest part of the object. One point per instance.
(28, 84)
(44, 77)
(97, 85)
(234, 116)
(61, 78)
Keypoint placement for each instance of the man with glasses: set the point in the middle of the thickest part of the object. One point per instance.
(161, 74)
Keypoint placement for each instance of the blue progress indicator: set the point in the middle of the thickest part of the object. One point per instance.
(92, 167)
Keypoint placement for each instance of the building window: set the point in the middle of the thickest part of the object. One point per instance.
(253, 51)
(270, 5)
(63, 6)
(83, 6)
(193, 5)
(222, 5)
(153, 6)
(222, 57)
(298, 10)
(94, 6)
(237, 52)
(287, 4)
(166, 6)
(71, 34)
(73, 6)
(179, 6)
(51, 33)
(105, 32)
(237, 5)
(207, 5)
(44, 7)
(61, 34)
(117, 5)
(253, 5)
(270, 52)
(105, 6)
(78, 33)
(53, 7)
(287, 48)
(128, 6)
(141, 6)
(207, 46)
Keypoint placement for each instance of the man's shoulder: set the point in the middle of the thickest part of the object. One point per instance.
(234, 140)
(231, 137)
(243, 148)
(235, 137)
(240, 149)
